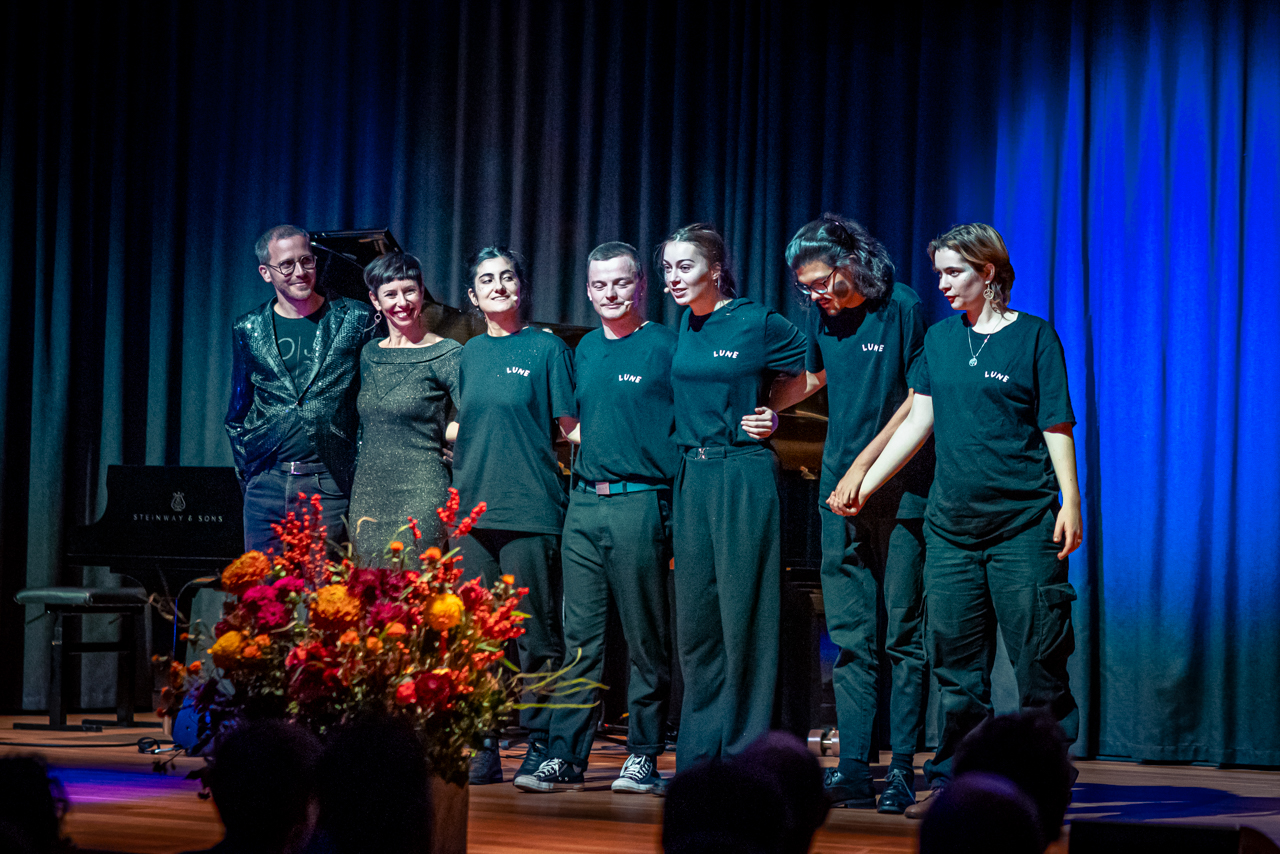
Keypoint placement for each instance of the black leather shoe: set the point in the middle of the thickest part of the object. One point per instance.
(844, 791)
(486, 764)
(534, 756)
(898, 795)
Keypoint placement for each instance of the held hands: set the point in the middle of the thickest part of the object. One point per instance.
(843, 500)
(760, 424)
(1069, 531)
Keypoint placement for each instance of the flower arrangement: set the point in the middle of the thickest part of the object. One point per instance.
(321, 640)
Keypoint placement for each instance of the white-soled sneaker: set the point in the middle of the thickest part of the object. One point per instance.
(554, 775)
(640, 776)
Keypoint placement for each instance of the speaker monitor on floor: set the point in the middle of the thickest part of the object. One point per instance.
(1119, 837)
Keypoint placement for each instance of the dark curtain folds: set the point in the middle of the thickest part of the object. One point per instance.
(1129, 152)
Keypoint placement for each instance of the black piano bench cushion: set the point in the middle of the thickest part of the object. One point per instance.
(84, 597)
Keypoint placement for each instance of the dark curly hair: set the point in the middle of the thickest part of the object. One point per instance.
(843, 244)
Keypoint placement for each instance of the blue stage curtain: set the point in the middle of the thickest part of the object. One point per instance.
(1128, 151)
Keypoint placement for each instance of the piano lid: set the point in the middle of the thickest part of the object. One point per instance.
(164, 517)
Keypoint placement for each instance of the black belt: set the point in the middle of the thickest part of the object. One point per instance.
(301, 468)
(617, 487)
(720, 452)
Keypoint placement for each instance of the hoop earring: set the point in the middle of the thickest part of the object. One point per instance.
(989, 293)
(377, 318)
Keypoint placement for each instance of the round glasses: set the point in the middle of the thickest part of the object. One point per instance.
(306, 262)
(820, 287)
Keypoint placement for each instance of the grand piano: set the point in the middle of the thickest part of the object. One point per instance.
(171, 529)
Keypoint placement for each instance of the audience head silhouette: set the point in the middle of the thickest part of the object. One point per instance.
(981, 813)
(1029, 749)
(261, 777)
(375, 789)
(31, 806)
(783, 760)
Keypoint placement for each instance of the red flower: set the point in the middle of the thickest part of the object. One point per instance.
(406, 693)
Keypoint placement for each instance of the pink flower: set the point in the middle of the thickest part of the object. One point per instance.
(289, 584)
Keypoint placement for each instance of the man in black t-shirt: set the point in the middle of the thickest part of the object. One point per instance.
(617, 530)
(295, 376)
(865, 341)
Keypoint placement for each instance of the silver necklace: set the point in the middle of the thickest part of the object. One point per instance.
(973, 357)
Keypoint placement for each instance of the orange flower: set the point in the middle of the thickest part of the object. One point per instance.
(262, 640)
(349, 637)
(444, 612)
(396, 630)
(431, 554)
(373, 645)
(244, 572)
(396, 546)
(334, 608)
(226, 650)
(508, 579)
(251, 651)
(195, 667)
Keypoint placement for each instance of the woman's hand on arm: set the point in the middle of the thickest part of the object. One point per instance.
(785, 392)
(760, 424)
(1069, 530)
(901, 447)
(844, 499)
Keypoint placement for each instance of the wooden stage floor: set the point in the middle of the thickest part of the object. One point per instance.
(119, 804)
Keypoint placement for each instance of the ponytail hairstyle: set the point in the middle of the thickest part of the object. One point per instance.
(843, 244)
(710, 246)
(488, 253)
(980, 245)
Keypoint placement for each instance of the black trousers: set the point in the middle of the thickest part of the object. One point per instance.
(728, 593)
(1020, 584)
(534, 560)
(616, 545)
(873, 577)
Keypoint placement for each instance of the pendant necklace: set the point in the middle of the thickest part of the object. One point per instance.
(973, 357)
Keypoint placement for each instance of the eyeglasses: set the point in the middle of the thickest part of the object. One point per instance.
(307, 262)
(820, 287)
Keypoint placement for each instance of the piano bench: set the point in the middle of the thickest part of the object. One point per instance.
(130, 603)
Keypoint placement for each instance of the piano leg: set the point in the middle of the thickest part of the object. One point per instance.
(125, 671)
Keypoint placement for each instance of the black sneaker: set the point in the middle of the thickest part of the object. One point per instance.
(534, 757)
(486, 765)
(554, 775)
(898, 794)
(640, 776)
(845, 791)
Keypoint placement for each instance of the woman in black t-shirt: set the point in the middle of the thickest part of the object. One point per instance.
(993, 389)
(515, 392)
(726, 516)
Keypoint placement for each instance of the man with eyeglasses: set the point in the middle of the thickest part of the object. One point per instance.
(295, 375)
(866, 342)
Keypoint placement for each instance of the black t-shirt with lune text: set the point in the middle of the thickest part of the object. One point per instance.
(625, 406)
(512, 388)
(723, 364)
(871, 354)
(994, 476)
(296, 340)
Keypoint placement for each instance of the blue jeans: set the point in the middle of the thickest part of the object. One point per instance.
(269, 495)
